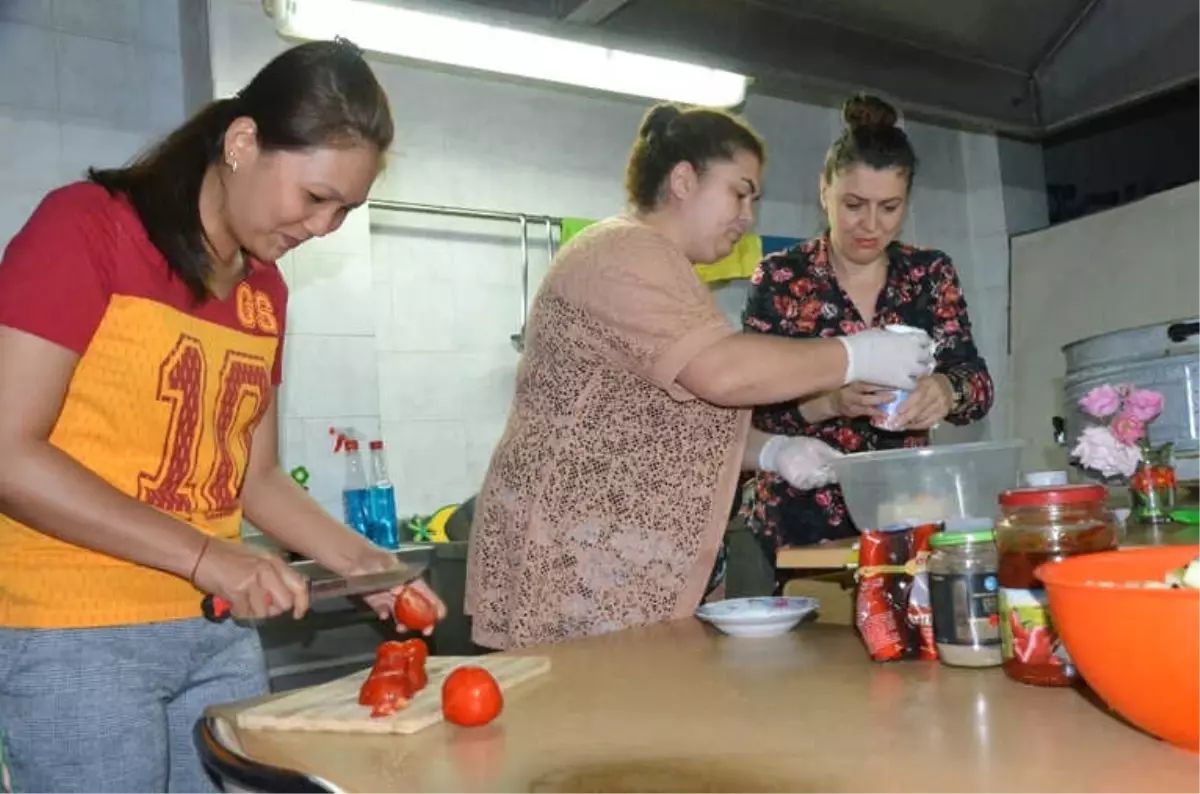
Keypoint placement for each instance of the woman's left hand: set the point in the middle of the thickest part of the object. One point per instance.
(926, 405)
(384, 603)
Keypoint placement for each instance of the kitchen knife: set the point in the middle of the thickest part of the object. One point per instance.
(217, 609)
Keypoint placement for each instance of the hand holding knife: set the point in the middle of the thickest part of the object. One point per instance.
(217, 609)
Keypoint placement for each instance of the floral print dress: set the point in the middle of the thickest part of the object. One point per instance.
(795, 293)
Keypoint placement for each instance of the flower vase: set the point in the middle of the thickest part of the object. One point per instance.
(1152, 487)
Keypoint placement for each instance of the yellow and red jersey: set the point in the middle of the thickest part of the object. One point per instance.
(162, 405)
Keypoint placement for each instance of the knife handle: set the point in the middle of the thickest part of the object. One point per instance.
(216, 609)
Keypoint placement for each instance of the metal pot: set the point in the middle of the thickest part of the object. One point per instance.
(1162, 357)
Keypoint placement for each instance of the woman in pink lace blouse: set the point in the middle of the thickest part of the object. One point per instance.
(607, 498)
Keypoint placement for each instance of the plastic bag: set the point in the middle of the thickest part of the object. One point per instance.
(892, 608)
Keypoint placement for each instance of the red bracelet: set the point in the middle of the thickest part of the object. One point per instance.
(200, 556)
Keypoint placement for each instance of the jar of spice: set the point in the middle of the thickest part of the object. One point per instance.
(1038, 525)
(963, 590)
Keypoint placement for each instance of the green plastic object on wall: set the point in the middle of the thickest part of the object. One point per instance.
(300, 476)
(741, 263)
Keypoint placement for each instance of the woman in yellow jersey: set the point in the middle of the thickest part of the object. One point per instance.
(141, 331)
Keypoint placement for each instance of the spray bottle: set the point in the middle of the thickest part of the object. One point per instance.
(356, 498)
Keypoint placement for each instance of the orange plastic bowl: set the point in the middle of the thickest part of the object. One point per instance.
(1137, 648)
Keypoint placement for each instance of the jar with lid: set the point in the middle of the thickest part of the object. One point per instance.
(1038, 525)
(963, 591)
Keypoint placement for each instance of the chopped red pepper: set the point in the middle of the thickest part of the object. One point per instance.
(398, 674)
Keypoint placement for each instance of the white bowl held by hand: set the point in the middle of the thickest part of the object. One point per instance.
(757, 617)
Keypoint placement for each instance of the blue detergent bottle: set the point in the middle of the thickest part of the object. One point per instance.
(356, 495)
(385, 526)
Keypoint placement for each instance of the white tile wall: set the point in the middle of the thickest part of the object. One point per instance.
(85, 143)
(30, 12)
(27, 61)
(1005, 196)
(81, 84)
(402, 326)
(308, 442)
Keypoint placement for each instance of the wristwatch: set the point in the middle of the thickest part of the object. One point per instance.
(958, 393)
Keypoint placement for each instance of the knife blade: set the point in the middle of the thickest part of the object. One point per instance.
(217, 609)
(339, 586)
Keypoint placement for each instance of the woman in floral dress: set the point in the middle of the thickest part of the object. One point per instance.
(855, 276)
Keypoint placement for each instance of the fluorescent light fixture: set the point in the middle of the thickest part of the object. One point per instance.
(419, 35)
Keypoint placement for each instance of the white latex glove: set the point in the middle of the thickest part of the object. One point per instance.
(888, 359)
(803, 462)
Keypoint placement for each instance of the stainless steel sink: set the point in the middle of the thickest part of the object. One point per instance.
(335, 638)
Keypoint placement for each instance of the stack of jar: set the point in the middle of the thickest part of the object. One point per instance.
(988, 607)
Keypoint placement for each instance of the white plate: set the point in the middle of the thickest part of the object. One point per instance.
(757, 617)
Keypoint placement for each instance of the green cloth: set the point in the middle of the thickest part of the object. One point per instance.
(572, 227)
(741, 263)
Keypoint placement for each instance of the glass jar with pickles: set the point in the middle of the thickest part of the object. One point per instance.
(1037, 525)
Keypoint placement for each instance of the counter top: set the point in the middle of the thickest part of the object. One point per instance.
(680, 707)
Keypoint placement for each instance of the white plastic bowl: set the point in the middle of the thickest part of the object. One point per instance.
(757, 617)
(927, 485)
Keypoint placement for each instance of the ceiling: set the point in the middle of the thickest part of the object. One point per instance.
(1023, 67)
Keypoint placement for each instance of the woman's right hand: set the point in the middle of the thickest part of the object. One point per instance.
(256, 583)
(888, 359)
(859, 399)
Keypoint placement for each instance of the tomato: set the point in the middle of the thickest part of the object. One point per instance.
(391, 655)
(414, 610)
(471, 696)
(405, 659)
(388, 707)
(395, 656)
(385, 693)
(417, 675)
(416, 649)
(415, 654)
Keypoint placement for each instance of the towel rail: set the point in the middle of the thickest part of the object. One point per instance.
(523, 219)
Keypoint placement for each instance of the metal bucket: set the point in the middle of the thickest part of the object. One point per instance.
(1162, 357)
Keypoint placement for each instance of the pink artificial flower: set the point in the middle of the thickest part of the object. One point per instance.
(1101, 401)
(1128, 429)
(1099, 450)
(1143, 404)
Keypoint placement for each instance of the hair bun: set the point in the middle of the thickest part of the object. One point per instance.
(347, 46)
(657, 119)
(868, 112)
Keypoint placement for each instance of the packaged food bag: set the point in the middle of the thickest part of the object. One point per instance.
(892, 607)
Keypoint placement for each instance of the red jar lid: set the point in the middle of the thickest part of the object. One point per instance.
(1057, 495)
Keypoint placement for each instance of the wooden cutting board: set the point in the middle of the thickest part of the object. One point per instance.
(333, 706)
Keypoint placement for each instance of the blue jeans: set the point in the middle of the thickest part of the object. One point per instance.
(112, 709)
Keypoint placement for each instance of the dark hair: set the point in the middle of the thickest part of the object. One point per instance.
(870, 138)
(321, 93)
(671, 134)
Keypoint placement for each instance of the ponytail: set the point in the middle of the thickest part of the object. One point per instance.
(321, 93)
(163, 185)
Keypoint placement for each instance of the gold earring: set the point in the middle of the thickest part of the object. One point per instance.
(232, 162)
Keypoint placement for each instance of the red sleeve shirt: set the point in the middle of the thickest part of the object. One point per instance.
(163, 402)
(82, 246)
